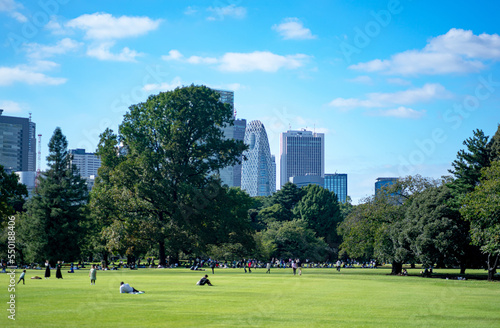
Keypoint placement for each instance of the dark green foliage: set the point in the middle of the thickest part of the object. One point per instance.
(52, 225)
(482, 209)
(12, 194)
(288, 196)
(293, 239)
(434, 229)
(494, 146)
(467, 167)
(320, 209)
(173, 142)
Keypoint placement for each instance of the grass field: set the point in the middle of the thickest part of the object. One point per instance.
(318, 298)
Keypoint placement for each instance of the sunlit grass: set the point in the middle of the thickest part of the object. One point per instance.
(318, 298)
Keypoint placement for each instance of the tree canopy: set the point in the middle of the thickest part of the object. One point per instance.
(55, 214)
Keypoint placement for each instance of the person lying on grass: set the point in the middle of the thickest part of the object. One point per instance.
(126, 288)
(204, 281)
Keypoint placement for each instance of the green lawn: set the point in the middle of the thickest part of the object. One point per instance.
(318, 298)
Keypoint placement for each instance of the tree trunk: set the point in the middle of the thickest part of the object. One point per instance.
(462, 267)
(105, 258)
(161, 252)
(397, 267)
(174, 258)
(492, 267)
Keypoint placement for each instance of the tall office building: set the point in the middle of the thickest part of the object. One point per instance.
(258, 174)
(17, 143)
(87, 165)
(231, 175)
(338, 184)
(305, 180)
(302, 153)
(226, 97)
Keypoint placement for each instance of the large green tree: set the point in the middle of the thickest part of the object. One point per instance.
(12, 193)
(292, 239)
(494, 146)
(482, 209)
(467, 167)
(375, 227)
(52, 225)
(320, 209)
(174, 144)
(434, 229)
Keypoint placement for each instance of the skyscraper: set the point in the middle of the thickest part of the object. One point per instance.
(258, 174)
(231, 175)
(87, 165)
(302, 153)
(338, 184)
(17, 143)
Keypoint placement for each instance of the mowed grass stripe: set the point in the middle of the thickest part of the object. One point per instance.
(318, 298)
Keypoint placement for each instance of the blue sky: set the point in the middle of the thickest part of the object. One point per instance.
(395, 85)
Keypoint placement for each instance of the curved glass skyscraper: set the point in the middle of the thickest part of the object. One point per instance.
(258, 173)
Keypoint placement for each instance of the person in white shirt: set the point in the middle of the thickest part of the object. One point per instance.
(126, 288)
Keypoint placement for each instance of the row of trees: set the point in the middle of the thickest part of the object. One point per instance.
(157, 194)
(446, 222)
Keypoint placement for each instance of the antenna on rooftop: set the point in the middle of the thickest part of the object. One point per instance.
(39, 159)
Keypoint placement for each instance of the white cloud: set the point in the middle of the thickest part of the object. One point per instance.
(190, 10)
(292, 28)
(29, 75)
(428, 92)
(364, 79)
(201, 60)
(244, 62)
(219, 13)
(10, 106)
(102, 51)
(172, 55)
(165, 86)
(103, 26)
(457, 51)
(10, 7)
(38, 51)
(230, 86)
(400, 112)
(260, 61)
(398, 81)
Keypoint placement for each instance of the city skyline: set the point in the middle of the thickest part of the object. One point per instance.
(395, 87)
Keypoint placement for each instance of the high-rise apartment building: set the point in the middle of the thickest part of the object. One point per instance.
(302, 153)
(258, 174)
(338, 184)
(87, 164)
(17, 143)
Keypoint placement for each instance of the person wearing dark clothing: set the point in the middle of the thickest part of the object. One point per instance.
(204, 281)
(58, 270)
(47, 269)
(212, 266)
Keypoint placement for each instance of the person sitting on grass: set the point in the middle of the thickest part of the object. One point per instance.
(204, 281)
(126, 288)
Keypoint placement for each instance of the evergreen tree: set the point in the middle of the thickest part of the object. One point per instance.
(320, 209)
(467, 167)
(55, 213)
